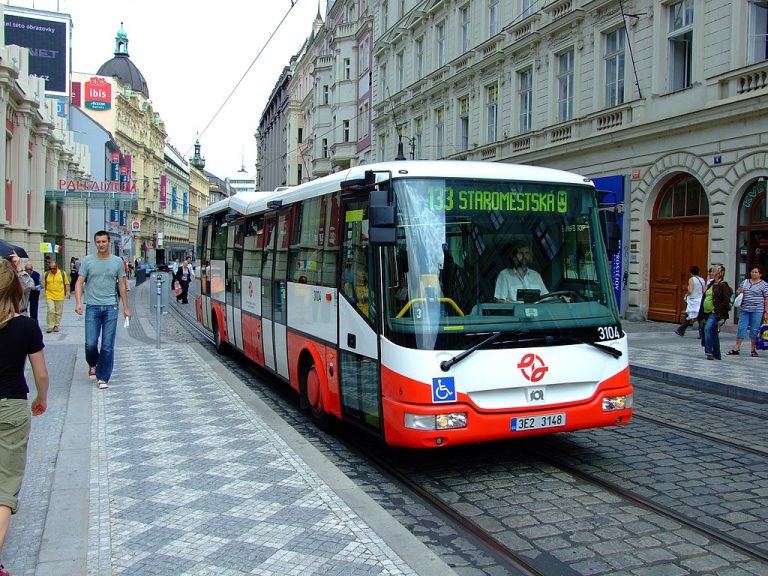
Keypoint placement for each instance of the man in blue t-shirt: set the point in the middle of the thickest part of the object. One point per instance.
(99, 273)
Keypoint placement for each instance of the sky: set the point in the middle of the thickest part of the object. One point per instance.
(192, 55)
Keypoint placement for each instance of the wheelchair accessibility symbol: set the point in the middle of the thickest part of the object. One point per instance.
(443, 390)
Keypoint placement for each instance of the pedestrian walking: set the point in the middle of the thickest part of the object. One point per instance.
(184, 276)
(57, 289)
(99, 272)
(715, 306)
(696, 286)
(34, 295)
(20, 339)
(74, 271)
(753, 311)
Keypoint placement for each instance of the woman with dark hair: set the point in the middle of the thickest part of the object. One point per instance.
(715, 306)
(20, 338)
(753, 310)
(696, 286)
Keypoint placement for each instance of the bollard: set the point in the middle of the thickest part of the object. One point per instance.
(159, 306)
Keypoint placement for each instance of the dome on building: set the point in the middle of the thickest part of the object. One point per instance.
(122, 68)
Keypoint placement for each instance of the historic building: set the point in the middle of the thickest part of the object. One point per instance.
(36, 152)
(318, 118)
(117, 97)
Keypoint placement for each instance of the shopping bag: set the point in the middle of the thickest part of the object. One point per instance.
(762, 338)
(177, 290)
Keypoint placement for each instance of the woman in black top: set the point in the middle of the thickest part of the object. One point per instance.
(20, 338)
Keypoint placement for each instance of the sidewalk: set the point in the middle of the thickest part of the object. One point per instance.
(657, 352)
(178, 468)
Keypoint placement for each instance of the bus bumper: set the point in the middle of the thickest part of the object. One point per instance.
(501, 425)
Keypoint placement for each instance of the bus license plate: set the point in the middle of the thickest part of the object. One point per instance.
(537, 422)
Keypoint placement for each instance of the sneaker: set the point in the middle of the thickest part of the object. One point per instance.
(102, 384)
(679, 333)
(56, 329)
(92, 373)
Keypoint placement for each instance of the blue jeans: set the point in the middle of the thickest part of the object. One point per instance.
(712, 336)
(100, 320)
(751, 319)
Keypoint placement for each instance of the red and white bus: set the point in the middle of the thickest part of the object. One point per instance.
(375, 293)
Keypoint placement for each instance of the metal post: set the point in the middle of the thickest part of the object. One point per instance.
(158, 314)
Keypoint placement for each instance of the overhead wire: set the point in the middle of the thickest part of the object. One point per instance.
(240, 81)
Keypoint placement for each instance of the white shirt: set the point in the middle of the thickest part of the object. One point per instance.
(510, 281)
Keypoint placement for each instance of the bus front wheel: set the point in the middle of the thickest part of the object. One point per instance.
(217, 342)
(313, 395)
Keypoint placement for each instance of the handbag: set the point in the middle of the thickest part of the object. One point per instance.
(737, 301)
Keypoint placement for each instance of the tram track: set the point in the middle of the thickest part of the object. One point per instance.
(755, 552)
(449, 504)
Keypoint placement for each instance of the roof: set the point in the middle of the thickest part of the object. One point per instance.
(126, 71)
(250, 202)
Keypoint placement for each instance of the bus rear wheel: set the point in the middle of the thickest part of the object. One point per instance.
(313, 394)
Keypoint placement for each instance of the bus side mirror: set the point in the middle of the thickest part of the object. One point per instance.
(609, 225)
(381, 219)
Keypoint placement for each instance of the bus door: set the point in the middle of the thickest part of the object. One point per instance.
(234, 285)
(273, 296)
(359, 374)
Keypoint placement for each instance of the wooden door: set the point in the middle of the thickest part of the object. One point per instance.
(676, 245)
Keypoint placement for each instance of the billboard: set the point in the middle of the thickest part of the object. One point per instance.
(47, 38)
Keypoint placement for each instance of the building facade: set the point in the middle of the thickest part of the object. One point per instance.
(36, 152)
(117, 97)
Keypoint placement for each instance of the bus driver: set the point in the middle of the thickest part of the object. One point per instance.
(518, 276)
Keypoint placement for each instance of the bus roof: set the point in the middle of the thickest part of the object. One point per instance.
(255, 202)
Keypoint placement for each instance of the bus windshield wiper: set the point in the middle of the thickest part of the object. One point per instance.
(607, 349)
(445, 365)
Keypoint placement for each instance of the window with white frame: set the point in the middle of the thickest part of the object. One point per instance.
(565, 86)
(326, 94)
(345, 130)
(347, 69)
(383, 81)
(419, 63)
(325, 147)
(757, 48)
(382, 147)
(493, 18)
(418, 134)
(680, 43)
(526, 7)
(440, 43)
(384, 18)
(465, 25)
(525, 94)
(399, 69)
(365, 53)
(614, 67)
(491, 112)
(464, 123)
(439, 132)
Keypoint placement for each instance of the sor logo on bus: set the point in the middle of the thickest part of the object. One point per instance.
(532, 367)
(443, 390)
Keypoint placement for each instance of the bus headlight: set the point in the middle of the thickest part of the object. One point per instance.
(611, 403)
(436, 421)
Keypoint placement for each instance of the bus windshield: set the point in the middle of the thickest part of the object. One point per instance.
(476, 256)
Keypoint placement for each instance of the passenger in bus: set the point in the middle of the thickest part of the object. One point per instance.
(518, 276)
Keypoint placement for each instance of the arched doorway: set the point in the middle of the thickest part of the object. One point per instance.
(752, 240)
(679, 240)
